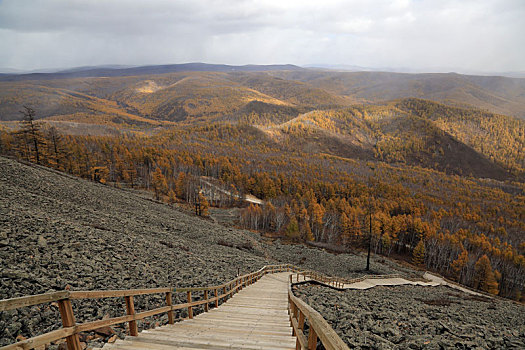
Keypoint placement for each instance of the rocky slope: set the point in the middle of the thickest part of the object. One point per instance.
(411, 317)
(57, 231)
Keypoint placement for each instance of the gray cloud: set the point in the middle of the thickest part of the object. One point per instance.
(422, 34)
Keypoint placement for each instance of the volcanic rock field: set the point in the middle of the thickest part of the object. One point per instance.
(59, 232)
(408, 317)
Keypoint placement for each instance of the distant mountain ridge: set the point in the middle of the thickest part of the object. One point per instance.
(108, 71)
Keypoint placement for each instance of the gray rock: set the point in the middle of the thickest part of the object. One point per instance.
(42, 242)
(14, 328)
(396, 315)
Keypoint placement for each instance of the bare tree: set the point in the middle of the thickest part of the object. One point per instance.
(31, 130)
(55, 139)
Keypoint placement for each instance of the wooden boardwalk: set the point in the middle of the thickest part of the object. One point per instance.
(254, 318)
(254, 311)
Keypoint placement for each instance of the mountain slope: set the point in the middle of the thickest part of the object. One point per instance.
(497, 94)
(57, 230)
(398, 134)
(172, 97)
(498, 137)
(65, 105)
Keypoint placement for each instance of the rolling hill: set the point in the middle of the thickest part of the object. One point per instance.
(203, 91)
(494, 93)
(305, 110)
(413, 132)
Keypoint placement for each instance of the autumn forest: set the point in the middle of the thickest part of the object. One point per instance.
(436, 182)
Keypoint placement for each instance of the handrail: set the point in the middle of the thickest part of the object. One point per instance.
(318, 326)
(15, 303)
(337, 282)
(299, 311)
(70, 329)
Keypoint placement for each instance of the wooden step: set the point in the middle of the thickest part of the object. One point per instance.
(214, 328)
(231, 335)
(217, 340)
(256, 318)
(245, 322)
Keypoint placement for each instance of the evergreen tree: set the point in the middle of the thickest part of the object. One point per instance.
(484, 278)
(418, 255)
(459, 264)
(159, 183)
(308, 235)
(292, 229)
(172, 198)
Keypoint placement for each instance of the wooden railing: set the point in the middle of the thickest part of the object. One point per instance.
(299, 311)
(308, 275)
(70, 330)
(335, 282)
(318, 328)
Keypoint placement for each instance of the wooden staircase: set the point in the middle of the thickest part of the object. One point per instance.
(254, 318)
(257, 310)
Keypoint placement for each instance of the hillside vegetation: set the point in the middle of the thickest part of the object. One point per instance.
(186, 93)
(442, 183)
(496, 94)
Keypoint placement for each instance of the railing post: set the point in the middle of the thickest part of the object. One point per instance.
(293, 314)
(216, 298)
(300, 321)
(312, 339)
(190, 308)
(130, 310)
(206, 306)
(68, 320)
(224, 292)
(169, 303)
(300, 325)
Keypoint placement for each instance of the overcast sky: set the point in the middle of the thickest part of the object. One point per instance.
(464, 35)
